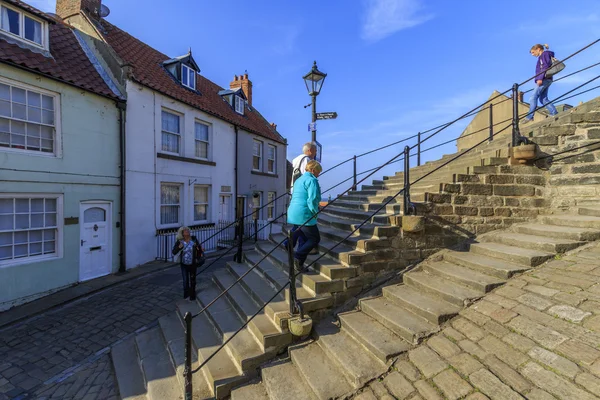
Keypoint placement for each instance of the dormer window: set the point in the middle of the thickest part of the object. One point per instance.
(239, 105)
(27, 28)
(188, 77)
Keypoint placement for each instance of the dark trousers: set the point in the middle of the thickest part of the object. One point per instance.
(311, 237)
(298, 236)
(188, 273)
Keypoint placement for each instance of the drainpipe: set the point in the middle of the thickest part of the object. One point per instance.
(235, 184)
(122, 106)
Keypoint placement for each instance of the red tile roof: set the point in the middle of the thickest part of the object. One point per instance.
(68, 63)
(148, 71)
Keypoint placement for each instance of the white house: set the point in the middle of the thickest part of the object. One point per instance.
(187, 139)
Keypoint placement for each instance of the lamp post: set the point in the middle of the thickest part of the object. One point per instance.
(314, 81)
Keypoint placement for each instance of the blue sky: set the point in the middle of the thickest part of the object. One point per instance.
(394, 66)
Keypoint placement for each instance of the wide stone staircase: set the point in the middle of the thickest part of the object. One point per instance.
(473, 195)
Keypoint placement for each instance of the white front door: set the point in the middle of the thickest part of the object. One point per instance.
(95, 243)
(224, 207)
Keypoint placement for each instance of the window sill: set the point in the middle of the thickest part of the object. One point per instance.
(272, 175)
(185, 159)
(28, 260)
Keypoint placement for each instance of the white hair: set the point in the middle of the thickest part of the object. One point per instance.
(180, 232)
(308, 147)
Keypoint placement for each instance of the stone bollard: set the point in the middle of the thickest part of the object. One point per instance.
(413, 223)
(300, 326)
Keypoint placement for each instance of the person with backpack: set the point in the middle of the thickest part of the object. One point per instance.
(192, 257)
(543, 80)
(309, 152)
(302, 213)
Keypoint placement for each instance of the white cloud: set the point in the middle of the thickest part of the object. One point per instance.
(44, 5)
(385, 17)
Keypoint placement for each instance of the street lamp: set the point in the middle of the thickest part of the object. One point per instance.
(314, 81)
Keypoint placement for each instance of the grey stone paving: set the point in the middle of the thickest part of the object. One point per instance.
(537, 337)
(62, 354)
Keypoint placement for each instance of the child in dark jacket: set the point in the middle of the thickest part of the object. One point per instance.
(542, 82)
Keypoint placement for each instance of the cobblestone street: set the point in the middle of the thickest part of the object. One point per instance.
(538, 337)
(64, 353)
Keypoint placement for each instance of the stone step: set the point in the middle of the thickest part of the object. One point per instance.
(158, 370)
(279, 278)
(443, 288)
(513, 254)
(533, 242)
(402, 322)
(311, 279)
(331, 248)
(270, 336)
(128, 370)
(261, 291)
(368, 206)
(378, 339)
(577, 221)
(284, 382)
(488, 265)
(559, 232)
(356, 363)
(174, 333)
(244, 347)
(467, 277)
(591, 211)
(376, 230)
(357, 216)
(431, 308)
(221, 371)
(319, 371)
(254, 391)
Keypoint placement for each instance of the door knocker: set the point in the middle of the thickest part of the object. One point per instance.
(95, 227)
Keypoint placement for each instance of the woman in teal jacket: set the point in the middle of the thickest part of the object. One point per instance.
(303, 210)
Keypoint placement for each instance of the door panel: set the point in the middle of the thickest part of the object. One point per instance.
(95, 241)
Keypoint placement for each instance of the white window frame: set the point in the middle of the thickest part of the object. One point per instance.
(161, 205)
(260, 155)
(256, 209)
(271, 207)
(207, 141)
(196, 203)
(274, 159)
(21, 35)
(58, 238)
(185, 71)
(178, 134)
(240, 104)
(57, 137)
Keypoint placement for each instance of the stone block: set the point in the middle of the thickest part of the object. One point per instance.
(494, 311)
(539, 394)
(514, 190)
(533, 301)
(473, 349)
(578, 352)
(465, 364)
(504, 352)
(538, 180)
(439, 198)
(442, 209)
(572, 180)
(458, 199)
(485, 201)
(367, 394)
(546, 140)
(408, 370)
(510, 292)
(508, 375)
(476, 188)
(453, 334)
(487, 383)
(545, 336)
(499, 179)
(553, 383)
(590, 382)
(501, 301)
(554, 361)
(569, 313)
(511, 202)
(586, 169)
(593, 133)
(544, 291)
(452, 385)
(443, 346)
(486, 211)
(503, 212)
(451, 188)
(477, 396)
(427, 361)
(519, 342)
(466, 210)
(397, 385)
(427, 391)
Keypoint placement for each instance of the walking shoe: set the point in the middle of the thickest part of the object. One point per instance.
(298, 265)
(526, 121)
(314, 251)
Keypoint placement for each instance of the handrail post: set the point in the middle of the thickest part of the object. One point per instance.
(166, 248)
(406, 205)
(515, 120)
(238, 254)
(418, 149)
(187, 371)
(354, 182)
(491, 122)
(255, 230)
(292, 271)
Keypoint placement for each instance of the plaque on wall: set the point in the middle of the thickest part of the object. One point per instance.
(226, 189)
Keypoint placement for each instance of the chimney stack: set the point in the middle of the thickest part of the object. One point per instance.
(244, 83)
(274, 125)
(521, 96)
(70, 8)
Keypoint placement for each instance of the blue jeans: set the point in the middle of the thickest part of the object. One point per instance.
(298, 236)
(311, 236)
(541, 94)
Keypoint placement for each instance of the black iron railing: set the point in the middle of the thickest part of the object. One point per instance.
(408, 206)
